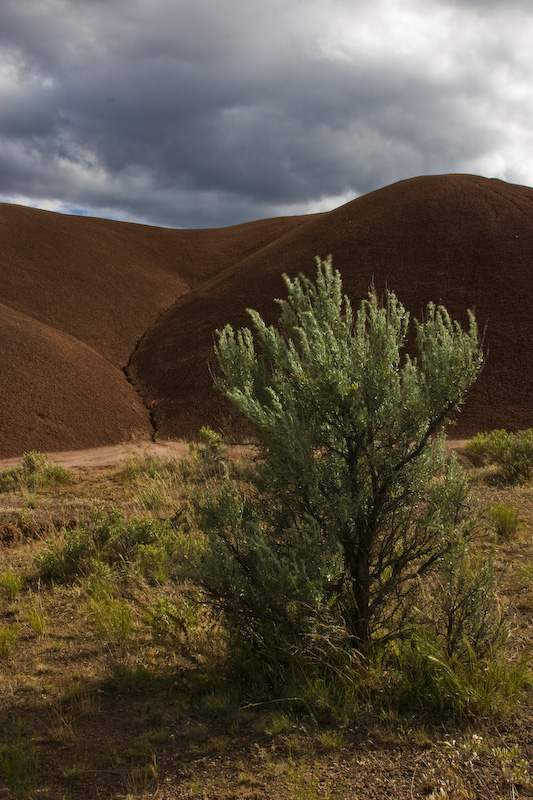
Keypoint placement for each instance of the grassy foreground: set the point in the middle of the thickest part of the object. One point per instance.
(114, 684)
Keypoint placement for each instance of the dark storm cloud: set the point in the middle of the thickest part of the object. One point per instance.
(194, 113)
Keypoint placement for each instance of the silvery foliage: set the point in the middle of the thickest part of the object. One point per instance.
(353, 498)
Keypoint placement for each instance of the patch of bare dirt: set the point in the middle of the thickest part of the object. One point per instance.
(101, 458)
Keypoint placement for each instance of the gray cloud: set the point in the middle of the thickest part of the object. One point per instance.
(190, 113)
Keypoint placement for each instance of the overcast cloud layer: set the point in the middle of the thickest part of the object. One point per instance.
(201, 113)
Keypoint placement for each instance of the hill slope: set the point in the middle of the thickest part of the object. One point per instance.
(76, 294)
(84, 301)
(462, 241)
(106, 282)
(56, 392)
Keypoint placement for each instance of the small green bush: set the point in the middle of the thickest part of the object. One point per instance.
(8, 480)
(212, 442)
(210, 454)
(33, 462)
(152, 548)
(62, 562)
(54, 474)
(34, 472)
(512, 452)
(461, 607)
(153, 563)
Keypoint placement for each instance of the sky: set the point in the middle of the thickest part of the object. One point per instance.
(207, 113)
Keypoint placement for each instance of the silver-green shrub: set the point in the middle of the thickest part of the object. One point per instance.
(353, 499)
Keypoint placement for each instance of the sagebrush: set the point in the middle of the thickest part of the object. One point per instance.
(353, 501)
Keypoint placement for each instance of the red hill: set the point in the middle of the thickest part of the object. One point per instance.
(82, 298)
(463, 241)
(76, 295)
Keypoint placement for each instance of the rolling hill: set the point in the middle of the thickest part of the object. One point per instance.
(107, 327)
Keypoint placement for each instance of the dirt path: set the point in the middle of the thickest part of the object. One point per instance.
(100, 458)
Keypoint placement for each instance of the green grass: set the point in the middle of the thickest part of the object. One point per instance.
(12, 583)
(19, 762)
(9, 636)
(504, 519)
(111, 619)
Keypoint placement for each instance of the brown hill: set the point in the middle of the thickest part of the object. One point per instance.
(56, 392)
(463, 241)
(106, 282)
(82, 298)
(76, 295)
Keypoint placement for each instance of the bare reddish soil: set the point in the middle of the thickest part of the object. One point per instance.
(106, 328)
